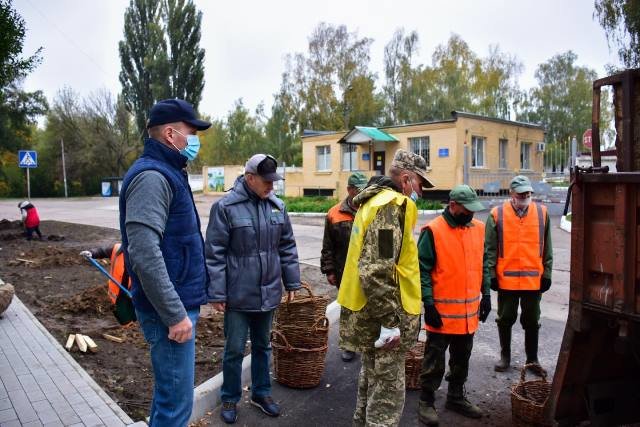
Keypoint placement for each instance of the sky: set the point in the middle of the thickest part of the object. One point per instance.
(246, 41)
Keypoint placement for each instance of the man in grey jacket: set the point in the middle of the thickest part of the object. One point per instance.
(250, 252)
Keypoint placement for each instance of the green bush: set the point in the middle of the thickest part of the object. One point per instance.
(323, 204)
(309, 204)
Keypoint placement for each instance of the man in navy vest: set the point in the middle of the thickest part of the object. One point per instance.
(164, 255)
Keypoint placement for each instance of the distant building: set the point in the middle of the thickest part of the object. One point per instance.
(496, 150)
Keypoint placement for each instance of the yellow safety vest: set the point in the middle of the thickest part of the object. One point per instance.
(407, 268)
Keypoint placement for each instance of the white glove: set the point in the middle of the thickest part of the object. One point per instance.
(386, 335)
(85, 254)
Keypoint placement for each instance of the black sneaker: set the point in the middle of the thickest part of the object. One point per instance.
(267, 405)
(229, 414)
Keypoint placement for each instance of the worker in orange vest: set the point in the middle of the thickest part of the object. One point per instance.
(518, 263)
(450, 252)
(122, 305)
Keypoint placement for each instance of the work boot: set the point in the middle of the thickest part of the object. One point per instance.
(457, 402)
(505, 349)
(427, 413)
(531, 345)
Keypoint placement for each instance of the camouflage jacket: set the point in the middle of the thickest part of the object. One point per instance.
(380, 250)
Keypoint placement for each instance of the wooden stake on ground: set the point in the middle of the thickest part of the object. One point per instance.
(93, 347)
(112, 338)
(70, 341)
(82, 345)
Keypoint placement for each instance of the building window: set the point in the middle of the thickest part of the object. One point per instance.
(323, 160)
(420, 146)
(525, 155)
(477, 151)
(349, 157)
(502, 148)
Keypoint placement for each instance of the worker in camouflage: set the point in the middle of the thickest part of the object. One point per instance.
(380, 288)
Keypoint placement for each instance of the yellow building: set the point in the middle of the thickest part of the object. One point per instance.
(495, 151)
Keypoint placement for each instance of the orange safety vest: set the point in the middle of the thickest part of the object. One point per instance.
(520, 246)
(118, 272)
(457, 275)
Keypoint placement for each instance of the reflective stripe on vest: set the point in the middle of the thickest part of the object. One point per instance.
(457, 275)
(520, 246)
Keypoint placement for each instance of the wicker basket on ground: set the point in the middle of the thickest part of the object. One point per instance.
(312, 336)
(297, 367)
(529, 397)
(303, 311)
(413, 366)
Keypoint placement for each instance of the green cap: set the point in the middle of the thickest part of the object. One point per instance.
(358, 180)
(467, 197)
(521, 184)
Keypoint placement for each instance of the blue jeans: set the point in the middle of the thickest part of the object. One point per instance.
(173, 370)
(236, 324)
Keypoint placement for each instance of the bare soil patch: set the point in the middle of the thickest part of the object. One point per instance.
(68, 295)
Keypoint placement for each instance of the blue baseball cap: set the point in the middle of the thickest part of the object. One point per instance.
(172, 111)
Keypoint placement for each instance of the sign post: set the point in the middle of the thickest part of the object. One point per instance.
(28, 159)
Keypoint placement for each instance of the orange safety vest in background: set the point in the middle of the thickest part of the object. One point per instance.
(520, 247)
(457, 275)
(118, 272)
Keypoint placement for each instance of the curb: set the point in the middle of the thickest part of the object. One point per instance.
(117, 410)
(206, 397)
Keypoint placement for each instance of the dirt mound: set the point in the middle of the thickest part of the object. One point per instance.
(87, 301)
(48, 256)
(6, 224)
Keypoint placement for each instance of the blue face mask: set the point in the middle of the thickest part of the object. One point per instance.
(413, 196)
(190, 151)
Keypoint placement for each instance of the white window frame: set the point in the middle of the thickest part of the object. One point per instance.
(323, 158)
(421, 146)
(525, 156)
(478, 144)
(349, 157)
(503, 152)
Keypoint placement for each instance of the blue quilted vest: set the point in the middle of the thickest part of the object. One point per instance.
(182, 244)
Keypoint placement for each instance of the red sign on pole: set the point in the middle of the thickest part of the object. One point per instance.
(586, 138)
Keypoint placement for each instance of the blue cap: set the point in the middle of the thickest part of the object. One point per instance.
(172, 111)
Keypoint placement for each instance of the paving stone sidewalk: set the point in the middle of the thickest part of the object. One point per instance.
(41, 384)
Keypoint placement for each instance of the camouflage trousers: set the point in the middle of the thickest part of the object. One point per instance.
(381, 389)
(460, 347)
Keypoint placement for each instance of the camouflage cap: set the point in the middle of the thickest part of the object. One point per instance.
(412, 162)
(358, 180)
(521, 184)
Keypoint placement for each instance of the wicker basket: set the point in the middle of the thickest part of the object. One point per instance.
(413, 366)
(529, 397)
(304, 336)
(296, 367)
(303, 311)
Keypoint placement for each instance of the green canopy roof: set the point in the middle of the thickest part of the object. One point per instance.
(364, 134)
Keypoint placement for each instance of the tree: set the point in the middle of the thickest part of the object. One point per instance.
(160, 55)
(12, 65)
(398, 71)
(621, 22)
(561, 102)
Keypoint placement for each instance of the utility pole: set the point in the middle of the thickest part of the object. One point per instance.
(64, 169)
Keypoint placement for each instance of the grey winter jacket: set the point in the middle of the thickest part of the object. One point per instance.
(250, 251)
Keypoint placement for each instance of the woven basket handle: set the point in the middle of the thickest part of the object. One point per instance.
(321, 322)
(281, 335)
(535, 368)
(307, 288)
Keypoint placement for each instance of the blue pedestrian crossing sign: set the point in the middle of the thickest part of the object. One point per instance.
(27, 159)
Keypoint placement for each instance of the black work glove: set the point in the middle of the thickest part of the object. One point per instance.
(431, 316)
(485, 308)
(494, 284)
(545, 284)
